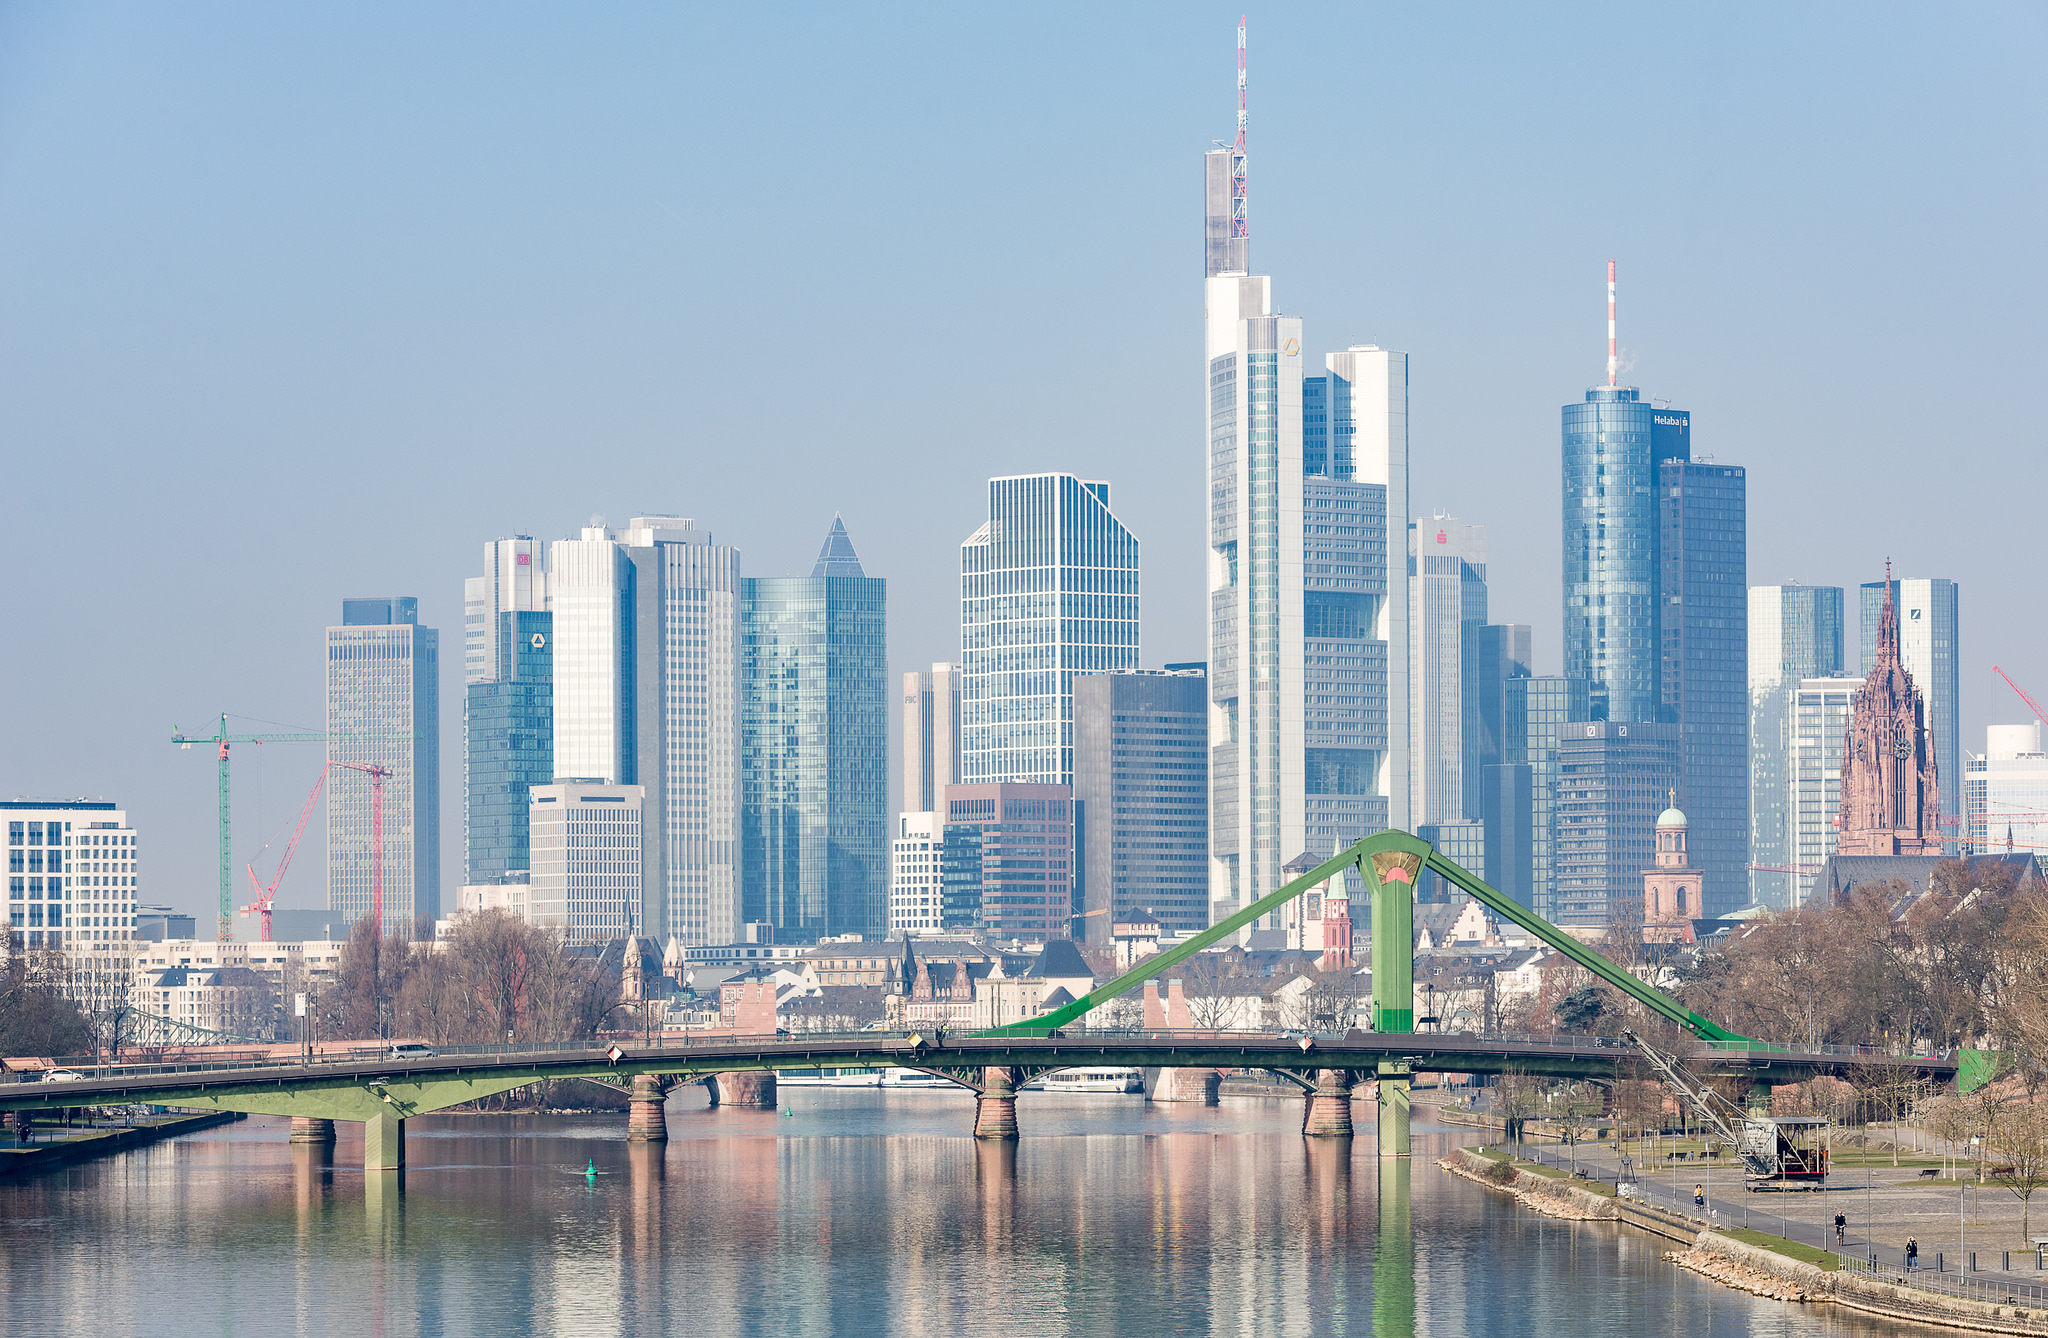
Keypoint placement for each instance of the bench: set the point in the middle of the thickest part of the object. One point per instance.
(1930, 1173)
(2001, 1170)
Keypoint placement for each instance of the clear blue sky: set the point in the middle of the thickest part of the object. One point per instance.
(299, 302)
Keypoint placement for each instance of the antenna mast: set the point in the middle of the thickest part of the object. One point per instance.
(1612, 362)
(1240, 220)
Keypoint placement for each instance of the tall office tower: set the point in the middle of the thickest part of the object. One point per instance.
(1308, 589)
(1490, 655)
(1447, 593)
(1929, 644)
(1007, 864)
(1613, 779)
(1463, 842)
(1821, 709)
(1141, 801)
(2007, 792)
(1048, 590)
(507, 703)
(1705, 631)
(646, 630)
(1507, 816)
(814, 748)
(1891, 780)
(73, 878)
(931, 735)
(515, 580)
(589, 856)
(508, 746)
(1538, 709)
(1795, 633)
(383, 708)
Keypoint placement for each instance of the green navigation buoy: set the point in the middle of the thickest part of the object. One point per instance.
(590, 1169)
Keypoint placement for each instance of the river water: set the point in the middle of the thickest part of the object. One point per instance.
(847, 1212)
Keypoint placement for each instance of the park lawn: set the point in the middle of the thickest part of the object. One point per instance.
(1825, 1260)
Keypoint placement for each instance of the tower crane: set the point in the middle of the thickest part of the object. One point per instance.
(267, 896)
(2032, 705)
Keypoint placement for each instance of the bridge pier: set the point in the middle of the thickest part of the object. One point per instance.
(1393, 1086)
(384, 1143)
(1197, 1086)
(647, 1115)
(995, 1110)
(754, 1088)
(307, 1130)
(1326, 1112)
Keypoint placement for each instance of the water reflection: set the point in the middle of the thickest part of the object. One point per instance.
(858, 1213)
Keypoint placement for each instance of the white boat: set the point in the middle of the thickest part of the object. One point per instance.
(1089, 1080)
(828, 1078)
(917, 1080)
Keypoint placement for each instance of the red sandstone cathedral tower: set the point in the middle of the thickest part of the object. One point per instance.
(1890, 796)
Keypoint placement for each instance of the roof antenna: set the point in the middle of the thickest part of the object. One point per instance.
(1240, 217)
(1613, 363)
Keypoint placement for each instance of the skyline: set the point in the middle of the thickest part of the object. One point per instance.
(325, 340)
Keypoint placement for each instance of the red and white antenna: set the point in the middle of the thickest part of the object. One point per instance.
(1240, 219)
(1613, 363)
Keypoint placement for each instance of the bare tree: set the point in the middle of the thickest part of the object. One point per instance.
(2023, 1157)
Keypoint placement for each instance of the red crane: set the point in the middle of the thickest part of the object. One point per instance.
(2039, 714)
(265, 896)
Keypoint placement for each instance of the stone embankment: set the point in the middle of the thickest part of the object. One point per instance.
(61, 1147)
(1752, 1268)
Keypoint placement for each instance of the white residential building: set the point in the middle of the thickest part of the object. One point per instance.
(73, 874)
(915, 900)
(589, 858)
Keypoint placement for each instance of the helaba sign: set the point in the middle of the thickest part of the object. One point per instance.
(1672, 420)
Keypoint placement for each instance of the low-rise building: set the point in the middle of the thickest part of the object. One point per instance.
(1058, 976)
(230, 999)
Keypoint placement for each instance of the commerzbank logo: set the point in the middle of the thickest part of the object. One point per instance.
(1291, 348)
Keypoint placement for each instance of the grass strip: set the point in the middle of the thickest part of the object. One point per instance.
(1825, 1260)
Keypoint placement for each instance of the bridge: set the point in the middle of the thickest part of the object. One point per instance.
(383, 1093)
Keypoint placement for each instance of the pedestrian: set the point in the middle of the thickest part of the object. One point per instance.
(1699, 1196)
(1841, 1225)
(23, 1126)
(1912, 1254)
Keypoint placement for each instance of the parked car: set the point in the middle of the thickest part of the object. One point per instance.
(410, 1050)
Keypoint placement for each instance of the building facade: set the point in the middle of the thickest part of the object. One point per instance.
(931, 735)
(1538, 709)
(1795, 633)
(1929, 642)
(1309, 653)
(1613, 779)
(1704, 624)
(383, 709)
(1674, 892)
(814, 746)
(2006, 792)
(73, 874)
(508, 733)
(1447, 594)
(1007, 867)
(1821, 710)
(1492, 654)
(1048, 590)
(589, 858)
(1891, 783)
(916, 901)
(1141, 801)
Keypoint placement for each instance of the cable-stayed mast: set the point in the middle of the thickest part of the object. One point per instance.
(1612, 362)
(1240, 219)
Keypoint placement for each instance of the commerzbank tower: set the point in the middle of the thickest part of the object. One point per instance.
(1308, 572)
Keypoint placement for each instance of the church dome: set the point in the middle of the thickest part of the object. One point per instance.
(1671, 817)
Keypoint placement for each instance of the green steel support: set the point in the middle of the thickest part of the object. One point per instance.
(384, 1143)
(1392, 1086)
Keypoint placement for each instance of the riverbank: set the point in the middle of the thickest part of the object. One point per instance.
(1762, 1265)
(66, 1146)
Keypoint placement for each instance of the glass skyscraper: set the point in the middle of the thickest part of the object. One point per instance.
(1704, 625)
(1141, 801)
(1613, 779)
(383, 707)
(1928, 647)
(1447, 587)
(1048, 589)
(814, 744)
(1821, 712)
(508, 745)
(1795, 633)
(1537, 711)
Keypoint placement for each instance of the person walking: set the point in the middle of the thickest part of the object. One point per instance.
(1912, 1254)
(1699, 1196)
(23, 1125)
(1841, 1225)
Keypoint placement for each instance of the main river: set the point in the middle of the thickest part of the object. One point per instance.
(847, 1212)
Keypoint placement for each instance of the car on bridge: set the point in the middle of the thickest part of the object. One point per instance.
(410, 1050)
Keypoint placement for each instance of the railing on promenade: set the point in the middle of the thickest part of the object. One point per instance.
(1950, 1280)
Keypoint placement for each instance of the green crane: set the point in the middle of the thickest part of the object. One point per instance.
(222, 738)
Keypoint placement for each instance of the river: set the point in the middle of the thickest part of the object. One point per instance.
(860, 1213)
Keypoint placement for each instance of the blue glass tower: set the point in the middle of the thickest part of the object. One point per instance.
(510, 720)
(814, 748)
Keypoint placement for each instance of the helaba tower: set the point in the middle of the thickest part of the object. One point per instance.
(1308, 588)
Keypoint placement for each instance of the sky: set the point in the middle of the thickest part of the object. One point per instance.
(306, 302)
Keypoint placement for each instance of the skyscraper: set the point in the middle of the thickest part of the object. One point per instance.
(507, 704)
(931, 735)
(589, 857)
(1048, 590)
(1613, 779)
(1929, 644)
(814, 746)
(1141, 800)
(1491, 655)
(1821, 709)
(1308, 590)
(1705, 629)
(1447, 590)
(1538, 709)
(383, 708)
(2007, 792)
(1007, 863)
(1795, 633)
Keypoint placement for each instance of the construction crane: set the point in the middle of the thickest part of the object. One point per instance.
(267, 896)
(1770, 1149)
(2032, 705)
(223, 739)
